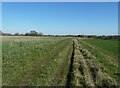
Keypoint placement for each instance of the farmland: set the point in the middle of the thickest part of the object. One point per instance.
(59, 61)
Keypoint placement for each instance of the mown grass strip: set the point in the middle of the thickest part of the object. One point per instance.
(100, 78)
(108, 67)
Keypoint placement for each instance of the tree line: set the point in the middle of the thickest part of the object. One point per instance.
(35, 33)
(31, 33)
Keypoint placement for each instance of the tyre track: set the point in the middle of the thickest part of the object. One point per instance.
(62, 67)
(70, 74)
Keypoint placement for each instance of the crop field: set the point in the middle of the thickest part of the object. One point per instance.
(59, 61)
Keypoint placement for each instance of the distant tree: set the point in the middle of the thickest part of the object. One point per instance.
(26, 34)
(80, 35)
(21, 34)
(34, 33)
(40, 34)
(1, 32)
(16, 34)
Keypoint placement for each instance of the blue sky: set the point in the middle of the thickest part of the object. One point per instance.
(100, 18)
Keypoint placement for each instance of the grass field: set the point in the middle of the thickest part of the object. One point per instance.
(59, 61)
(106, 53)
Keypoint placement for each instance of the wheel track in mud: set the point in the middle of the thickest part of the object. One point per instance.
(84, 72)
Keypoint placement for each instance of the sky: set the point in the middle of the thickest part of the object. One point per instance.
(96, 18)
(60, 0)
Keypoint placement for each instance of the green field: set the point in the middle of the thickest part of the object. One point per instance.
(106, 53)
(59, 61)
